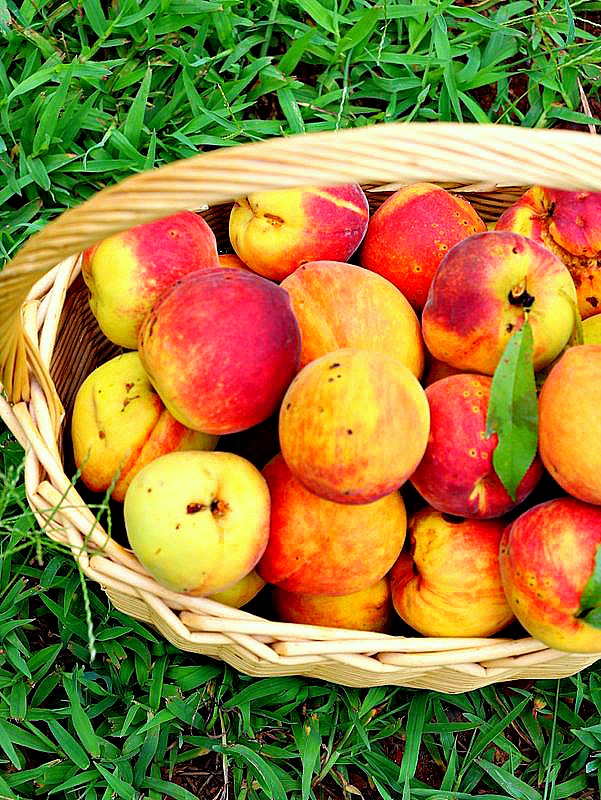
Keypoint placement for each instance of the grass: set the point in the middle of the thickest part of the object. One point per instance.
(91, 92)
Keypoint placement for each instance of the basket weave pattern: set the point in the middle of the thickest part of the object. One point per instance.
(50, 342)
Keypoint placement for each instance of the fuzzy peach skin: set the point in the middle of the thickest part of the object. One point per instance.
(450, 582)
(242, 592)
(119, 424)
(341, 305)
(127, 272)
(569, 224)
(221, 347)
(275, 232)
(319, 547)
(198, 521)
(456, 474)
(569, 422)
(369, 609)
(411, 232)
(354, 425)
(478, 296)
(547, 557)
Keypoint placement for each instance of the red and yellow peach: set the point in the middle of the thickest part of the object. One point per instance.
(412, 231)
(456, 474)
(481, 293)
(119, 425)
(221, 347)
(354, 425)
(547, 557)
(341, 305)
(568, 224)
(368, 609)
(274, 232)
(450, 582)
(324, 548)
(127, 272)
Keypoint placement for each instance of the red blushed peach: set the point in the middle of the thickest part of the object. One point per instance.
(221, 347)
(275, 232)
(340, 305)
(411, 232)
(127, 272)
(369, 609)
(450, 582)
(119, 425)
(568, 224)
(569, 423)
(456, 474)
(479, 296)
(319, 547)
(354, 425)
(547, 557)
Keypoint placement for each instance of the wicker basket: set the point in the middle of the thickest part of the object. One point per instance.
(49, 342)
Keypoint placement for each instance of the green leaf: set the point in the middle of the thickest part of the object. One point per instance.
(69, 745)
(513, 410)
(515, 787)
(120, 788)
(308, 741)
(360, 31)
(571, 34)
(591, 595)
(134, 121)
(593, 618)
(323, 16)
(573, 116)
(81, 722)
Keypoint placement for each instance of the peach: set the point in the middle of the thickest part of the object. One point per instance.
(481, 293)
(119, 425)
(369, 609)
(221, 347)
(591, 330)
(354, 425)
(242, 592)
(319, 547)
(450, 582)
(411, 232)
(341, 305)
(569, 224)
(456, 474)
(127, 272)
(569, 424)
(547, 557)
(231, 260)
(198, 521)
(274, 232)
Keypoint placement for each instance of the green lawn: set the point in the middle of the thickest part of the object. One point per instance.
(91, 92)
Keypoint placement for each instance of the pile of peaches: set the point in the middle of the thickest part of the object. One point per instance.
(368, 491)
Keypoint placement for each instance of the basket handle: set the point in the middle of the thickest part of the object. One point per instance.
(403, 152)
